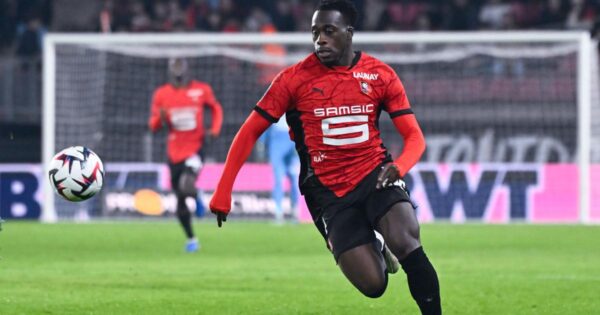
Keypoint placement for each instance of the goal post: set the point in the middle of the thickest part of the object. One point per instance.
(48, 126)
(462, 96)
(586, 63)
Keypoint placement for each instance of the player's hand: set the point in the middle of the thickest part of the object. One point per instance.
(388, 176)
(213, 134)
(221, 217)
(220, 206)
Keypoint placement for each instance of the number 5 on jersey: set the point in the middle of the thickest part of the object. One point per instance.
(363, 129)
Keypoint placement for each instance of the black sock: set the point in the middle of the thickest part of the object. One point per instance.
(185, 218)
(422, 282)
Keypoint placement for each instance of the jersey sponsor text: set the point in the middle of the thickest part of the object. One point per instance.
(344, 110)
(365, 76)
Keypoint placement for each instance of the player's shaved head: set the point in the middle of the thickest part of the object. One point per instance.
(178, 70)
(332, 30)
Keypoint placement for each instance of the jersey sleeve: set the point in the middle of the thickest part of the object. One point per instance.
(394, 99)
(217, 110)
(155, 122)
(277, 99)
(240, 149)
(414, 142)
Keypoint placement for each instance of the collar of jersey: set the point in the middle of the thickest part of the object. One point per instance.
(357, 55)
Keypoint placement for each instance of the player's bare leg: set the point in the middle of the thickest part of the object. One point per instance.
(400, 229)
(364, 267)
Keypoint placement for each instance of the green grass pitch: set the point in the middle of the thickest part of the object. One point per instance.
(258, 268)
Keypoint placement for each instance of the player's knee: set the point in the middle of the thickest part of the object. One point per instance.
(375, 293)
(403, 243)
(374, 289)
(186, 187)
(372, 285)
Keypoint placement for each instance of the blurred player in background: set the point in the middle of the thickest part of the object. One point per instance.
(332, 100)
(280, 149)
(179, 105)
(285, 163)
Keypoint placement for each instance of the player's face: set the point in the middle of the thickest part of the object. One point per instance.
(178, 72)
(332, 38)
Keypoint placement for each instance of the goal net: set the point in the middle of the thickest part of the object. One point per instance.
(508, 116)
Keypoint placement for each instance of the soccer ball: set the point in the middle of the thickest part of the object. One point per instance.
(76, 173)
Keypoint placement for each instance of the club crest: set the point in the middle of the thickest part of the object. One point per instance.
(195, 94)
(365, 87)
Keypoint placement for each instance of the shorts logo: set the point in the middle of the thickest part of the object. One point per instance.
(365, 87)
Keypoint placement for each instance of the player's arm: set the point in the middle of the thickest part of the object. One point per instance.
(414, 146)
(407, 126)
(157, 113)
(269, 108)
(414, 142)
(217, 113)
(240, 149)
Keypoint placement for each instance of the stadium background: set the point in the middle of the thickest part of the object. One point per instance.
(510, 91)
(136, 266)
(23, 24)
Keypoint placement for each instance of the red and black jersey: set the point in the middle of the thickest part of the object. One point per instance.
(333, 115)
(184, 112)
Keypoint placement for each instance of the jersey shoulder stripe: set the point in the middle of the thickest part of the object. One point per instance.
(266, 115)
(401, 112)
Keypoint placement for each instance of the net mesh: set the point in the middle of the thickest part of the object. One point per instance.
(505, 103)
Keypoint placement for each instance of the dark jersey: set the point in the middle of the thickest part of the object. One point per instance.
(333, 115)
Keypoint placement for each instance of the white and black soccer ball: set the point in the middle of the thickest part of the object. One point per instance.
(76, 173)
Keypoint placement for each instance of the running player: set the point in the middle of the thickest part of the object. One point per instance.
(332, 100)
(179, 105)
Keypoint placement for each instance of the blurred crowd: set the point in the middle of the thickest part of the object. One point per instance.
(23, 22)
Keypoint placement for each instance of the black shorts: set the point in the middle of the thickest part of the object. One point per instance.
(176, 170)
(350, 221)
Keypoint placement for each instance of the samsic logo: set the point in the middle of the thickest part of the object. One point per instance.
(343, 110)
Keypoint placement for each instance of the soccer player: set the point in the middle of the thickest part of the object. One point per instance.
(179, 105)
(332, 100)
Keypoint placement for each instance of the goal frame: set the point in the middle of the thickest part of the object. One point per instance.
(584, 76)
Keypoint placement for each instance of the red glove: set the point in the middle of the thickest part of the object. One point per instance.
(240, 149)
